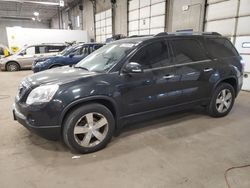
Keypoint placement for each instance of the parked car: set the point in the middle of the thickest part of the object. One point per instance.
(69, 56)
(25, 56)
(127, 79)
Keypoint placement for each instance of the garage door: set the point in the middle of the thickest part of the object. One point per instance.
(146, 17)
(103, 25)
(231, 18)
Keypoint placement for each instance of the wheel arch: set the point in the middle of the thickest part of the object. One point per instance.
(104, 100)
(230, 80)
(12, 61)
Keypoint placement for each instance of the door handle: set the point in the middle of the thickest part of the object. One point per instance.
(169, 76)
(208, 69)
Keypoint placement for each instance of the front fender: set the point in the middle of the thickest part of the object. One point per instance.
(87, 100)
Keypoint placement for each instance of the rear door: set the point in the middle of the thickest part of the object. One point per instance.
(194, 67)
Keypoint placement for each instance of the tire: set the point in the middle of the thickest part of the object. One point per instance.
(222, 100)
(87, 137)
(12, 66)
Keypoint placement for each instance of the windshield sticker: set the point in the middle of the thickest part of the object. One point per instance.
(127, 45)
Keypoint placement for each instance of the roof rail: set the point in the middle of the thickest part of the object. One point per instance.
(211, 33)
(161, 34)
(133, 36)
(186, 33)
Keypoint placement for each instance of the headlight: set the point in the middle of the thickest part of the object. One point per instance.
(42, 94)
(39, 63)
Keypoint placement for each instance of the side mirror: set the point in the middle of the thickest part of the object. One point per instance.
(71, 55)
(133, 67)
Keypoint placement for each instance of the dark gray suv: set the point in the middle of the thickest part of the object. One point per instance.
(127, 79)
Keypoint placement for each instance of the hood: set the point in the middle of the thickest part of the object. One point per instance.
(11, 57)
(48, 57)
(60, 75)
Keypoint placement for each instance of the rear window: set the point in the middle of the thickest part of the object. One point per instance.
(220, 48)
(40, 49)
(48, 49)
(55, 48)
(188, 50)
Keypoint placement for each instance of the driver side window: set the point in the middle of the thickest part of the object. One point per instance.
(30, 51)
(153, 55)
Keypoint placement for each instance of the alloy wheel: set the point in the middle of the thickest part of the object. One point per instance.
(91, 129)
(224, 100)
(12, 67)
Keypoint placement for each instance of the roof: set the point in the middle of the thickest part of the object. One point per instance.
(140, 38)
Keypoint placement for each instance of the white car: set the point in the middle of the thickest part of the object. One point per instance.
(25, 57)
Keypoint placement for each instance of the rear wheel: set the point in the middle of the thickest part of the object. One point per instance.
(12, 66)
(88, 128)
(222, 100)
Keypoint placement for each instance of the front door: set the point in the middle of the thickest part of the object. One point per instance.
(27, 57)
(157, 86)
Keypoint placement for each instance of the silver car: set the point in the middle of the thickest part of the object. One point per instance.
(25, 57)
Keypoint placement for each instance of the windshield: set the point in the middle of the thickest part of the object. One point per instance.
(106, 57)
(20, 50)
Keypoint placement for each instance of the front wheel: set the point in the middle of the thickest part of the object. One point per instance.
(88, 128)
(12, 66)
(222, 100)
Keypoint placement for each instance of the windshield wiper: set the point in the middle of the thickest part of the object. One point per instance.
(81, 68)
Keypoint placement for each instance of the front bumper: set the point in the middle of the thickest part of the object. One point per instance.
(48, 132)
(2, 66)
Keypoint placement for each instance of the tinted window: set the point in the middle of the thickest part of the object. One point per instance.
(153, 55)
(52, 49)
(188, 50)
(219, 48)
(77, 51)
(85, 50)
(96, 47)
(40, 49)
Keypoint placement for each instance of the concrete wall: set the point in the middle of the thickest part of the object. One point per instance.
(102, 5)
(55, 22)
(119, 16)
(185, 14)
(68, 17)
(180, 15)
(11, 23)
(88, 18)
